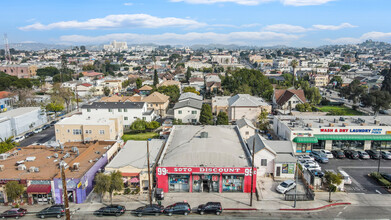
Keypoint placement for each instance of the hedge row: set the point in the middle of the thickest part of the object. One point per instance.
(378, 177)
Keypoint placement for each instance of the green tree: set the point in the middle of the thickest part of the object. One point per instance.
(88, 67)
(188, 74)
(55, 107)
(300, 107)
(222, 118)
(190, 89)
(345, 68)
(139, 83)
(106, 91)
(172, 91)
(206, 117)
(155, 78)
(353, 91)
(263, 122)
(377, 100)
(152, 125)
(7, 144)
(83, 48)
(64, 94)
(386, 84)
(116, 183)
(294, 64)
(338, 81)
(313, 95)
(102, 184)
(138, 125)
(14, 190)
(332, 181)
(48, 71)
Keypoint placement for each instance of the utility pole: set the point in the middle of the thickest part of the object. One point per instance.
(297, 175)
(252, 174)
(77, 99)
(378, 166)
(64, 189)
(149, 175)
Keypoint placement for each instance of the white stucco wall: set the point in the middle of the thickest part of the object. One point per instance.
(269, 156)
(187, 115)
(247, 129)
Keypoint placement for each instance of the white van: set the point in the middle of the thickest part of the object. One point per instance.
(346, 177)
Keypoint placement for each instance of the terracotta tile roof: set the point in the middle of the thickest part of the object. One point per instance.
(91, 74)
(4, 94)
(86, 84)
(145, 88)
(282, 96)
(156, 97)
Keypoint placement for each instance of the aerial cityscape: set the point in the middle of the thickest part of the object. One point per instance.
(195, 109)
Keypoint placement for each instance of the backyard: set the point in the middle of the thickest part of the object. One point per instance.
(339, 110)
(140, 136)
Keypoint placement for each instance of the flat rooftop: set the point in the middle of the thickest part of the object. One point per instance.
(222, 148)
(85, 120)
(19, 111)
(48, 164)
(317, 121)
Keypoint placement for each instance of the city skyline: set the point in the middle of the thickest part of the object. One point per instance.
(187, 22)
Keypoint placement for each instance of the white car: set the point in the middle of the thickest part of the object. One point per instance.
(286, 186)
(37, 130)
(328, 154)
(306, 157)
(312, 163)
(18, 139)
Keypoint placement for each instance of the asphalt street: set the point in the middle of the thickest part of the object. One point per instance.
(358, 170)
(39, 138)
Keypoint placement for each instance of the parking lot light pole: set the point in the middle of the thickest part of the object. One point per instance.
(297, 174)
(378, 166)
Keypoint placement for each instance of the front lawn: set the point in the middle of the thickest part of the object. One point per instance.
(140, 136)
(339, 110)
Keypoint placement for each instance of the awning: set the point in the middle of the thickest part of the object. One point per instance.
(305, 140)
(130, 174)
(134, 180)
(345, 137)
(46, 189)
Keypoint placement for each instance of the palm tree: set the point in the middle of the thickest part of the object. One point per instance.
(7, 144)
(294, 64)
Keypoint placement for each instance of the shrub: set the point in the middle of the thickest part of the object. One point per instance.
(127, 191)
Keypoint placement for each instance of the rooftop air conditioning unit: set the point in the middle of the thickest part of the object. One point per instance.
(31, 169)
(30, 159)
(3, 156)
(2, 168)
(36, 170)
(76, 166)
(22, 167)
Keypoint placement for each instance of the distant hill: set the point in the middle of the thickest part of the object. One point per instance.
(36, 46)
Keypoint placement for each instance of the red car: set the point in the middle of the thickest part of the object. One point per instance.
(14, 213)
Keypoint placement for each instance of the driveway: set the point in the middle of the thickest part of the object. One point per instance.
(358, 170)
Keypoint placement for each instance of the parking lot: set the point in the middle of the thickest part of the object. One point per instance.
(40, 138)
(358, 171)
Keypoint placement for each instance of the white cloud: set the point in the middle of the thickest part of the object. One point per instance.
(285, 28)
(241, 38)
(118, 21)
(257, 2)
(380, 36)
(128, 4)
(334, 27)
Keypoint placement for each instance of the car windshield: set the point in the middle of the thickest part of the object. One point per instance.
(284, 184)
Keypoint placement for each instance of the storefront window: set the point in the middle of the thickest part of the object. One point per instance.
(320, 145)
(178, 183)
(348, 145)
(381, 144)
(303, 147)
(233, 183)
(206, 183)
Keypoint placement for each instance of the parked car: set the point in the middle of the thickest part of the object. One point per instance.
(53, 211)
(386, 176)
(45, 126)
(346, 178)
(182, 208)
(210, 207)
(53, 122)
(373, 154)
(14, 213)
(363, 155)
(338, 154)
(317, 172)
(305, 157)
(386, 155)
(115, 210)
(328, 154)
(148, 210)
(28, 134)
(319, 156)
(37, 130)
(18, 139)
(351, 154)
(286, 186)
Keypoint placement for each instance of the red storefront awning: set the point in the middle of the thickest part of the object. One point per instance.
(39, 189)
(129, 174)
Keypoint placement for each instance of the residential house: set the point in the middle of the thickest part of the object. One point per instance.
(157, 101)
(127, 111)
(84, 89)
(6, 101)
(115, 86)
(188, 110)
(246, 106)
(80, 128)
(197, 82)
(319, 80)
(116, 98)
(288, 98)
(246, 128)
(272, 158)
(220, 104)
(131, 161)
(169, 83)
(92, 74)
(145, 90)
(213, 83)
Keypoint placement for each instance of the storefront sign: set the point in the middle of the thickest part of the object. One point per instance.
(388, 132)
(303, 134)
(352, 130)
(165, 170)
(79, 185)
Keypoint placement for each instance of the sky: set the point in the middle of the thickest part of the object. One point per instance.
(297, 23)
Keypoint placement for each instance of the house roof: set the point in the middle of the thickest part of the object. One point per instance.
(169, 83)
(196, 79)
(115, 98)
(145, 88)
(197, 104)
(243, 122)
(282, 149)
(246, 100)
(134, 154)
(156, 97)
(190, 95)
(86, 84)
(4, 94)
(106, 105)
(91, 74)
(283, 95)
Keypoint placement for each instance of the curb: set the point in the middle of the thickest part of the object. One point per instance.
(322, 207)
(240, 209)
